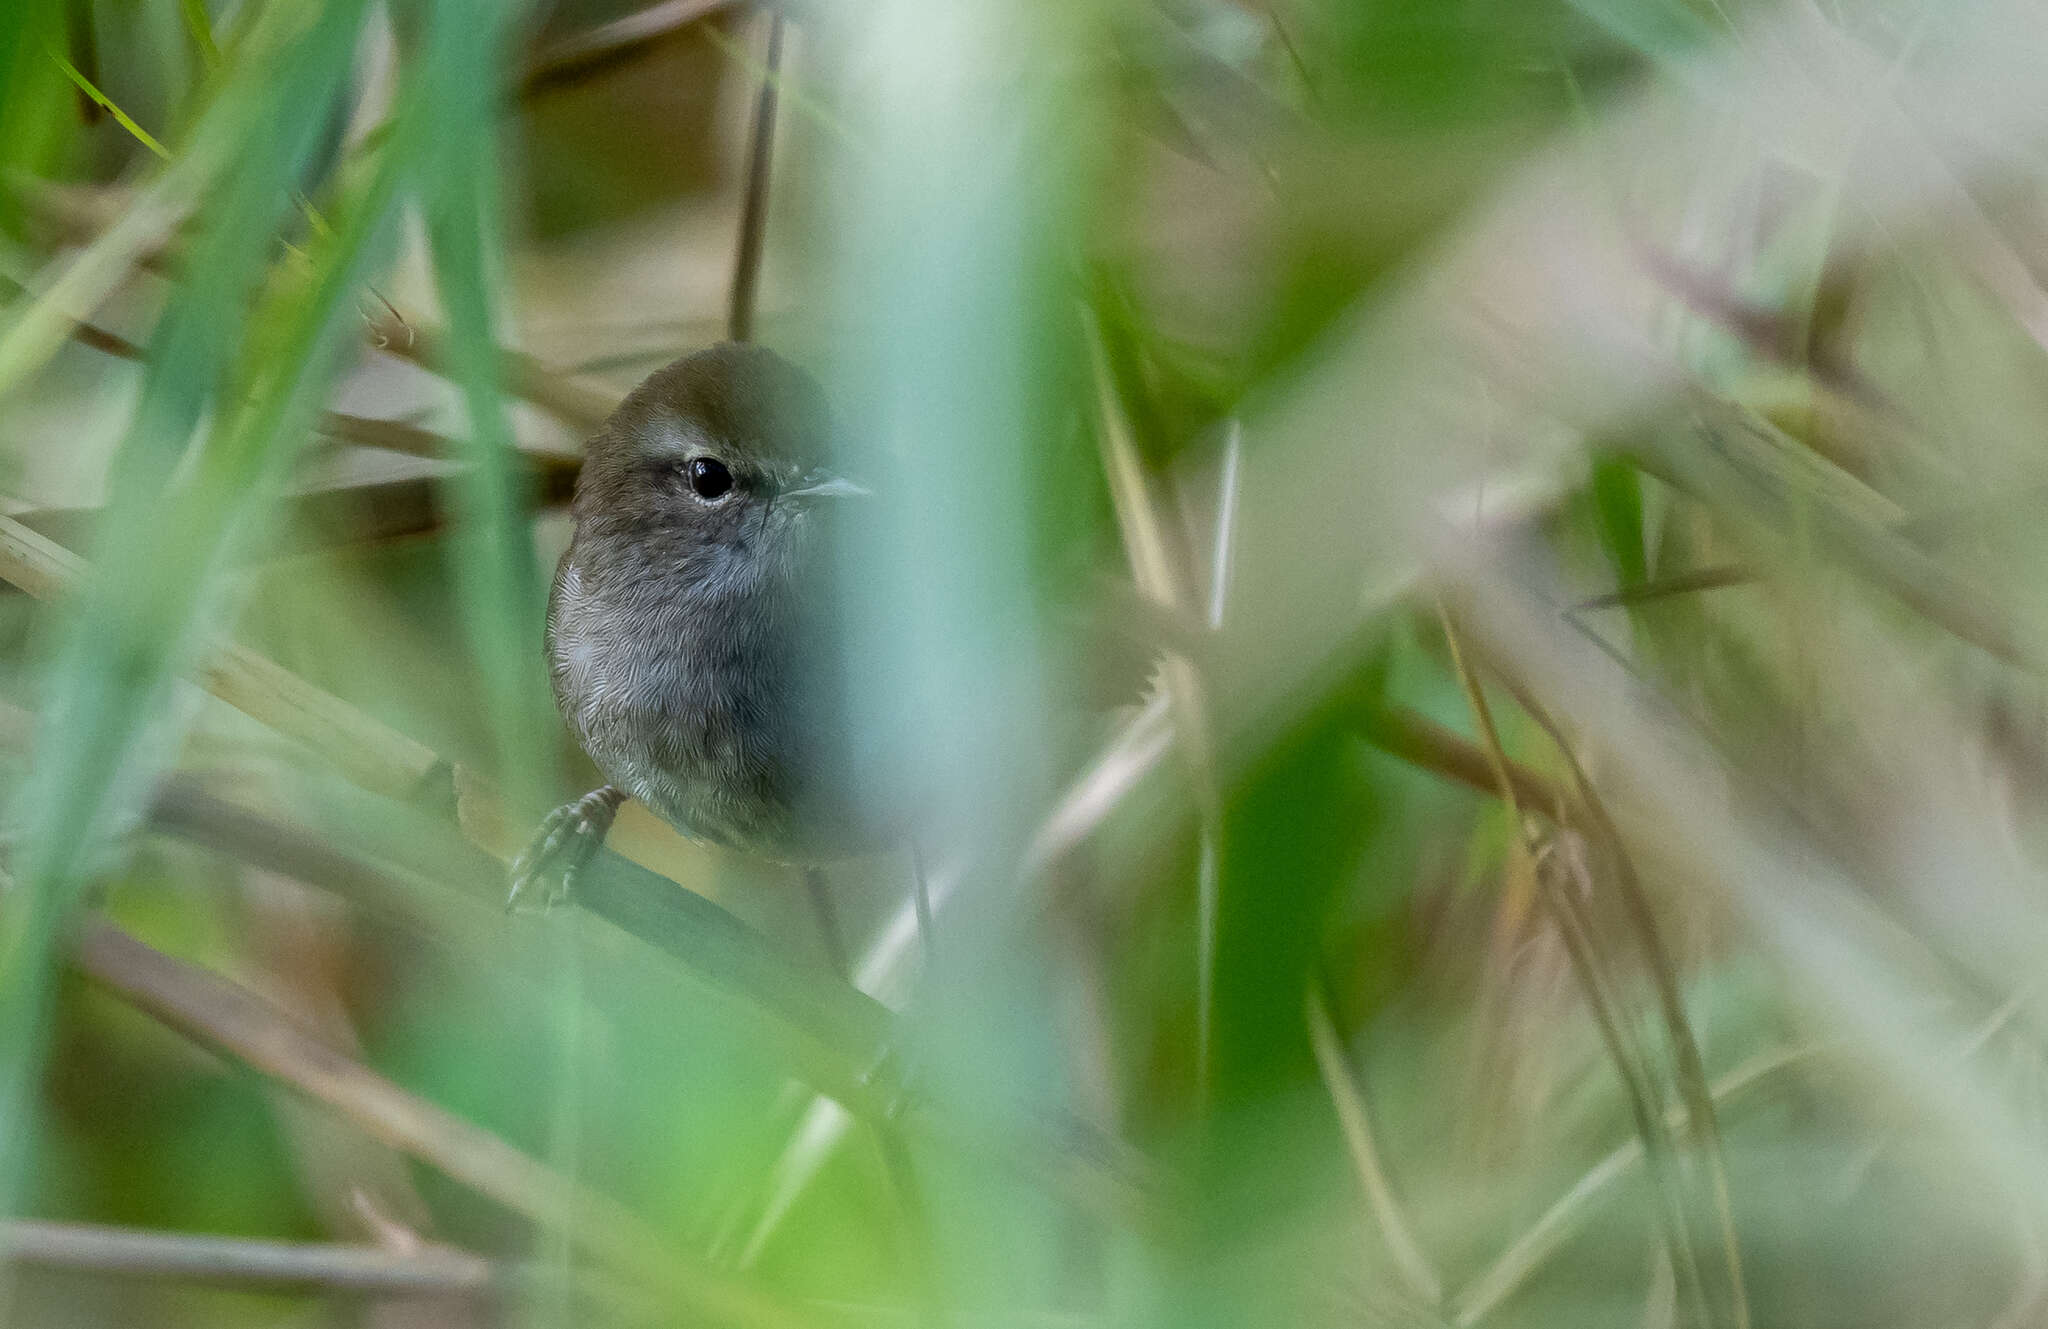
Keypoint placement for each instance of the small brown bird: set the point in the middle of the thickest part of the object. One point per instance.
(690, 635)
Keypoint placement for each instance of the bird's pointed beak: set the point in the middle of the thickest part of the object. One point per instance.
(824, 484)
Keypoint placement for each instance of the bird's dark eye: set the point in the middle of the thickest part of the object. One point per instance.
(708, 477)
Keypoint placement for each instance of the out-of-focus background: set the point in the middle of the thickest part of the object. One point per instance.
(1455, 588)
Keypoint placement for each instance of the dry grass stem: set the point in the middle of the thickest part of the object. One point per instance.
(1160, 573)
(581, 54)
(221, 1015)
(90, 1248)
(581, 406)
(747, 254)
(1600, 990)
(1690, 1065)
(1414, 1266)
(1403, 732)
(368, 753)
(1527, 1253)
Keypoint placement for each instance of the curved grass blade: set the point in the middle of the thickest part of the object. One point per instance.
(458, 92)
(103, 729)
(1599, 988)
(107, 104)
(458, 70)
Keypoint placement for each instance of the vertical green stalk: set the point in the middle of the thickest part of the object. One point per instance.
(31, 117)
(955, 250)
(200, 28)
(103, 732)
(459, 68)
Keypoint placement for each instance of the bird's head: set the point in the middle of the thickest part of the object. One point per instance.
(715, 467)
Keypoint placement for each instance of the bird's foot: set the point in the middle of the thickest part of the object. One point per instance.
(545, 874)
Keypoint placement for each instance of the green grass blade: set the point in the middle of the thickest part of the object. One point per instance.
(106, 103)
(103, 729)
(502, 586)
(200, 26)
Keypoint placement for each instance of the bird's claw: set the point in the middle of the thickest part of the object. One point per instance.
(544, 875)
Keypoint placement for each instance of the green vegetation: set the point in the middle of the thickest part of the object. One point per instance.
(1455, 587)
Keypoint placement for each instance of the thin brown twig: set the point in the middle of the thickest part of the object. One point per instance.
(331, 517)
(1294, 57)
(556, 471)
(1680, 583)
(746, 263)
(82, 215)
(568, 59)
(85, 333)
(1770, 330)
(248, 1262)
(1136, 750)
(1403, 732)
(580, 405)
(83, 38)
(100, 339)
